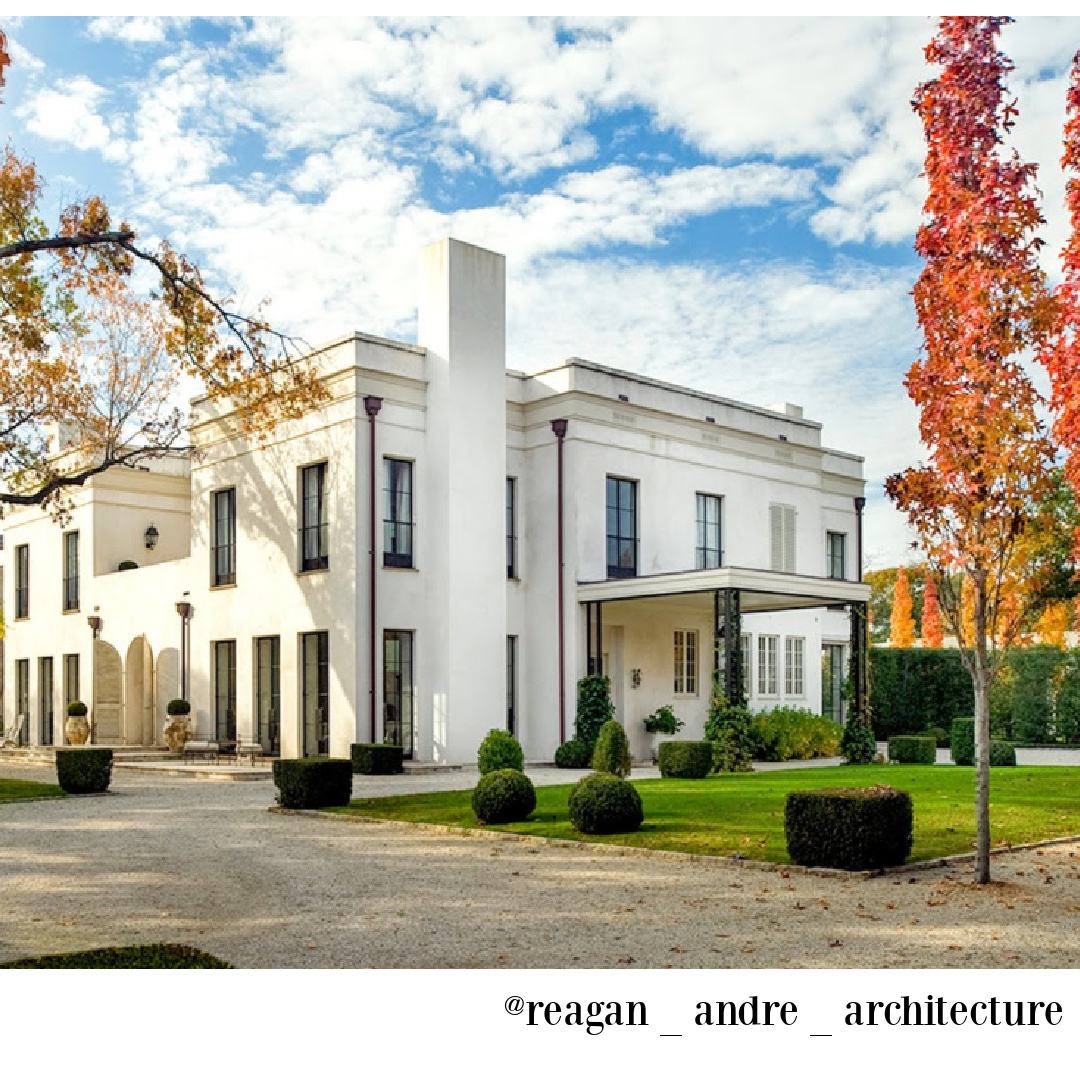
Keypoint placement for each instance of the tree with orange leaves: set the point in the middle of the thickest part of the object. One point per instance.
(65, 288)
(981, 300)
(902, 622)
(932, 635)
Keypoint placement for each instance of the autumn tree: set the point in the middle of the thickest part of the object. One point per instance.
(87, 354)
(902, 623)
(981, 300)
(932, 634)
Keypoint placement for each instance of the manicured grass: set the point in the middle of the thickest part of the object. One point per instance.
(11, 790)
(743, 814)
(126, 956)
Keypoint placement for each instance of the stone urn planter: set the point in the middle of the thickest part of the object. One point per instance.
(177, 731)
(77, 727)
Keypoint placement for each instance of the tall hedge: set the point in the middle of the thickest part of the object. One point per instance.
(913, 689)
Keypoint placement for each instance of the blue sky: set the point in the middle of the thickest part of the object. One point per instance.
(724, 203)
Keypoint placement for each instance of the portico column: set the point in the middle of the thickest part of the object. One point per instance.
(727, 655)
(859, 687)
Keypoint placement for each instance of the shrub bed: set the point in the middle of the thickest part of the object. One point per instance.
(962, 741)
(312, 783)
(790, 734)
(499, 750)
(612, 753)
(1002, 753)
(913, 749)
(84, 771)
(572, 755)
(911, 689)
(685, 760)
(601, 803)
(503, 796)
(376, 759)
(851, 829)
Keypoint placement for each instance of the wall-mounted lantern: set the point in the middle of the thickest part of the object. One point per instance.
(151, 537)
(635, 677)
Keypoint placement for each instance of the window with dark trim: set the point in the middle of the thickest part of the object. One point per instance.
(621, 528)
(22, 581)
(511, 683)
(398, 512)
(398, 728)
(46, 705)
(315, 692)
(22, 701)
(71, 678)
(511, 527)
(223, 523)
(268, 693)
(836, 554)
(314, 527)
(225, 693)
(710, 554)
(71, 571)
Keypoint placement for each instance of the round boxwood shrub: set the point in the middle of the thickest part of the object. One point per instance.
(84, 771)
(849, 829)
(612, 753)
(178, 707)
(128, 564)
(685, 760)
(1002, 753)
(312, 783)
(913, 749)
(602, 803)
(77, 708)
(962, 741)
(503, 796)
(499, 750)
(939, 735)
(572, 755)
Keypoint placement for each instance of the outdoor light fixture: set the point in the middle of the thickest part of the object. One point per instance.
(94, 622)
(151, 536)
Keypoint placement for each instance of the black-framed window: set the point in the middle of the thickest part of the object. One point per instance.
(397, 512)
(511, 683)
(225, 692)
(398, 729)
(511, 528)
(268, 693)
(223, 524)
(621, 527)
(836, 555)
(22, 581)
(71, 678)
(315, 692)
(709, 552)
(46, 706)
(22, 701)
(314, 520)
(71, 571)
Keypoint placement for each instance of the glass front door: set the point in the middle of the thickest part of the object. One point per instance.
(398, 727)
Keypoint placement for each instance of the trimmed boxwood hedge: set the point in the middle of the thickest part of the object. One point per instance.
(602, 803)
(573, 754)
(911, 689)
(503, 796)
(84, 771)
(125, 956)
(913, 749)
(849, 829)
(962, 741)
(499, 750)
(376, 759)
(685, 760)
(1002, 753)
(612, 751)
(311, 783)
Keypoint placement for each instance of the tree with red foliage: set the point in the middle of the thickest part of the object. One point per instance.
(932, 634)
(981, 300)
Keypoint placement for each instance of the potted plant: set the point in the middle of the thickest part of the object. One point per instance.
(662, 722)
(176, 731)
(77, 727)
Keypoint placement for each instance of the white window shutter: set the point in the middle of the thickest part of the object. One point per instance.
(789, 539)
(776, 537)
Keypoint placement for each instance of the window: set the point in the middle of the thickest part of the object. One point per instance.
(314, 539)
(315, 692)
(832, 682)
(398, 689)
(621, 528)
(225, 693)
(398, 514)
(22, 582)
(686, 651)
(22, 700)
(835, 553)
(45, 700)
(744, 649)
(71, 678)
(223, 524)
(794, 657)
(511, 684)
(710, 555)
(782, 538)
(766, 660)
(71, 571)
(268, 694)
(511, 527)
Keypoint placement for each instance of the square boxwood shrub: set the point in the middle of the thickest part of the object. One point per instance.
(84, 771)
(849, 829)
(962, 741)
(913, 749)
(377, 759)
(311, 783)
(685, 760)
(1002, 753)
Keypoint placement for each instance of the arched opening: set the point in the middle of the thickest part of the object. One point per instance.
(107, 686)
(139, 694)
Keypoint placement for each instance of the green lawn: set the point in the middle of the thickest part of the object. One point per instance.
(11, 790)
(744, 813)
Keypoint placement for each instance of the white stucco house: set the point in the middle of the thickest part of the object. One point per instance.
(444, 547)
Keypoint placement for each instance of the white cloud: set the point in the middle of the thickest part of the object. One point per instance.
(69, 113)
(134, 29)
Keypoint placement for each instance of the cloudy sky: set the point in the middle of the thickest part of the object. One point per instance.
(724, 203)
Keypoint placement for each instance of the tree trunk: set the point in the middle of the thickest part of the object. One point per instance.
(981, 681)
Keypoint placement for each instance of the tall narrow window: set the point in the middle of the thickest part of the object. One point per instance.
(511, 684)
(709, 553)
(315, 692)
(314, 529)
(832, 682)
(794, 666)
(225, 693)
(766, 659)
(511, 527)
(45, 700)
(268, 694)
(22, 701)
(686, 651)
(71, 571)
(621, 528)
(398, 689)
(782, 538)
(398, 513)
(223, 523)
(22, 581)
(744, 648)
(836, 554)
(71, 678)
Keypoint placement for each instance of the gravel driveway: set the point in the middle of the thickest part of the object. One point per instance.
(167, 859)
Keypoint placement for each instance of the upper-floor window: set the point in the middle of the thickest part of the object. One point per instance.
(794, 666)
(22, 581)
(766, 664)
(621, 527)
(710, 555)
(398, 513)
(511, 528)
(223, 524)
(314, 524)
(836, 554)
(782, 538)
(71, 571)
(686, 659)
